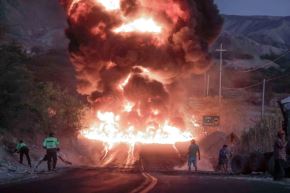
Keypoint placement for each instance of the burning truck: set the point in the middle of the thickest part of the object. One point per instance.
(133, 60)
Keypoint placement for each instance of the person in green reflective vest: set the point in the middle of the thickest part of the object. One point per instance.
(22, 149)
(51, 144)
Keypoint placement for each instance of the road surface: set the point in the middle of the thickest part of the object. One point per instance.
(85, 180)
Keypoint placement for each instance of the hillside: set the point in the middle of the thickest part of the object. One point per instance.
(247, 38)
(37, 25)
(250, 41)
(265, 30)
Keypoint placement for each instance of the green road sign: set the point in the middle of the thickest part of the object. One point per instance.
(210, 120)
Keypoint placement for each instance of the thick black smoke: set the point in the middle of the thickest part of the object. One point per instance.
(104, 59)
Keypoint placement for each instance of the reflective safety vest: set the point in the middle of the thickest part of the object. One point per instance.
(50, 143)
(20, 145)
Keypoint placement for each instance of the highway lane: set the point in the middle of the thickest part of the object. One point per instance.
(88, 180)
(85, 180)
(184, 182)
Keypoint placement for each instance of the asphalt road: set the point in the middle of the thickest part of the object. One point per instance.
(216, 184)
(79, 181)
(116, 181)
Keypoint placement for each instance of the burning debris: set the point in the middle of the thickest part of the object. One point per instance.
(131, 59)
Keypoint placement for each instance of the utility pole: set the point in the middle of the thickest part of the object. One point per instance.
(207, 85)
(221, 50)
(263, 100)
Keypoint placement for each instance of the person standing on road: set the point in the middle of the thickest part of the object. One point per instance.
(59, 155)
(22, 149)
(224, 157)
(280, 155)
(51, 144)
(192, 151)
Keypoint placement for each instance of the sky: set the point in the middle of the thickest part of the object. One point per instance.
(254, 7)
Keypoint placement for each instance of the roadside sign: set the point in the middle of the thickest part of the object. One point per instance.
(211, 120)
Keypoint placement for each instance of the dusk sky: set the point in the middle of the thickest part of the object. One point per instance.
(254, 7)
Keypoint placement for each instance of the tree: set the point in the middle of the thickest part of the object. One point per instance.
(28, 105)
(16, 82)
(59, 111)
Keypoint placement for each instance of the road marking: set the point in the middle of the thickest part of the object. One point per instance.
(152, 183)
(149, 183)
(141, 163)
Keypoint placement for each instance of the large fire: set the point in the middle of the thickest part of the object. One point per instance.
(108, 129)
(110, 4)
(136, 85)
(143, 25)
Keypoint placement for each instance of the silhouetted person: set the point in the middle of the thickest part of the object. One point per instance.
(224, 157)
(280, 155)
(192, 151)
(45, 158)
(22, 149)
(51, 144)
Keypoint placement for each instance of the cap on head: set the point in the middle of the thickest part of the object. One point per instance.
(225, 146)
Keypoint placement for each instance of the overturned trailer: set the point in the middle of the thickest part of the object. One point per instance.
(264, 162)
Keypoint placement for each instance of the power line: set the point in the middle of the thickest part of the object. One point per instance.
(243, 88)
(259, 83)
(278, 77)
(268, 63)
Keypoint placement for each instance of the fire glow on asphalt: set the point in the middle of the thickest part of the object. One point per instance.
(133, 59)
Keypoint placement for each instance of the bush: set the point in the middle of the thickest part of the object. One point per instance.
(59, 111)
(27, 105)
(261, 137)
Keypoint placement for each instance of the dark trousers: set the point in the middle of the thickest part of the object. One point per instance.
(24, 151)
(279, 173)
(51, 157)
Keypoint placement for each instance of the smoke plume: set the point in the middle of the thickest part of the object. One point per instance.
(143, 66)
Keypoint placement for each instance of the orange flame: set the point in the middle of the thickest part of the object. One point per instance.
(110, 5)
(142, 25)
(108, 130)
(124, 82)
(128, 106)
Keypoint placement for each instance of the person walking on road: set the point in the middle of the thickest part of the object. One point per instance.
(193, 151)
(23, 149)
(51, 144)
(224, 157)
(280, 156)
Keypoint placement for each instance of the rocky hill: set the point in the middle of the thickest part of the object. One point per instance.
(39, 26)
(265, 30)
(247, 38)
